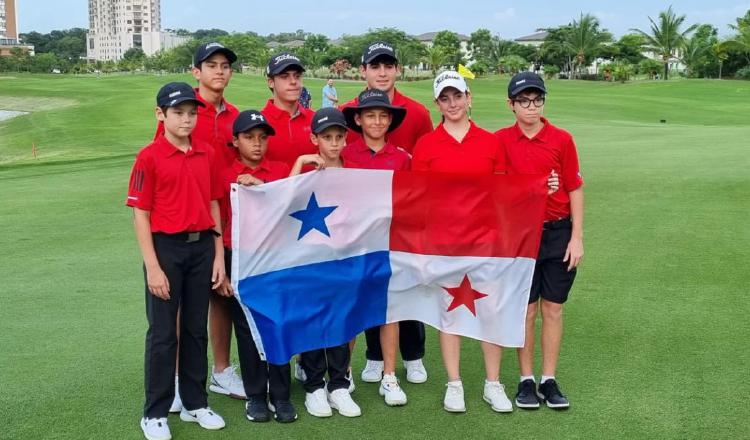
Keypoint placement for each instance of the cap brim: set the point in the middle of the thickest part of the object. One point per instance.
(178, 101)
(286, 67)
(382, 55)
(398, 113)
(248, 127)
(451, 84)
(231, 56)
(327, 125)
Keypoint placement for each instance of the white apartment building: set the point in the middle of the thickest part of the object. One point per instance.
(118, 25)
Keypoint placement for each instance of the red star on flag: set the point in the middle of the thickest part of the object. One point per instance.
(464, 295)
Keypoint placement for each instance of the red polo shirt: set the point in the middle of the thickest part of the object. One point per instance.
(479, 152)
(292, 138)
(416, 124)
(267, 170)
(214, 128)
(390, 157)
(551, 149)
(175, 187)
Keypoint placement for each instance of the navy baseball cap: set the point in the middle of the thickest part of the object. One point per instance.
(250, 119)
(283, 61)
(327, 117)
(374, 98)
(206, 50)
(376, 50)
(175, 93)
(524, 81)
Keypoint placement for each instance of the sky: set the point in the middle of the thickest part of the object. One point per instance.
(335, 18)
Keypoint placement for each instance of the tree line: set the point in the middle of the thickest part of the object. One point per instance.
(567, 51)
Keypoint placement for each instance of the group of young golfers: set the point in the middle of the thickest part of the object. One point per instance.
(179, 191)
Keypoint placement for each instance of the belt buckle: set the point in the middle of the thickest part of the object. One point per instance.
(193, 236)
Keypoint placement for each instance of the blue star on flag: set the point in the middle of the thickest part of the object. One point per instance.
(313, 217)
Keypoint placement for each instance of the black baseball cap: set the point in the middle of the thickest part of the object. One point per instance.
(175, 93)
(376, 50)
(205, 51)
(524, 81)
(327, 117)
(283, 61)
(250, 119)
(374, 98)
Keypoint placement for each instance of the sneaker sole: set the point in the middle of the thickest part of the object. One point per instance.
(416, 380)
(558, 406)
(392, 402)
(258, 420)
(372, 379)
(317, 414)
(526, 405)
(191, 419)
(218, 389)
(496, 409)
(345, 414)
(454, 410)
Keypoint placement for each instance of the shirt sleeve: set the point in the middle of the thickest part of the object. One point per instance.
(141, 188)
(570, 173)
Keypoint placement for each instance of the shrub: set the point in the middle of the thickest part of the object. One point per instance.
(743, 73)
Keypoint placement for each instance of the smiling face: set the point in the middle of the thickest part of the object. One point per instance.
(252, 145)
(453, 104)
(179, 120)
(214, 73)
(374, 122)
(380, 74)
(286, 85)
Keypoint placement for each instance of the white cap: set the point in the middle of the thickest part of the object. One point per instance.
(449, 78)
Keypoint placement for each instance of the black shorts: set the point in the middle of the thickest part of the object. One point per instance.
(552, 281)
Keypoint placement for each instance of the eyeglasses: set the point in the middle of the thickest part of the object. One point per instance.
(526, 103)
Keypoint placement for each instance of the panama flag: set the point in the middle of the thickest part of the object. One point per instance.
(322, 256)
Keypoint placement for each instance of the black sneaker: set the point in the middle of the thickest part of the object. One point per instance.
(283, 412)
(256, 409)
(551, 394)
(526, 397)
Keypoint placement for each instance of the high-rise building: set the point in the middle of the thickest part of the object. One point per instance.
(118, 25)
(8, 29)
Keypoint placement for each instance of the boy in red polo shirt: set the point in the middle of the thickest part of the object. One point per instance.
(374, 117)
(534, 145)
(177, 225)
(380, 69)
(284, 113)
(260, 379)
(460, 146)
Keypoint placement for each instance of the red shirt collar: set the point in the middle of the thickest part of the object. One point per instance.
(362, 147)
(210, 107)
(273, 112)
(167, 149)
(443, 133)
(541, 136)
(241, 168)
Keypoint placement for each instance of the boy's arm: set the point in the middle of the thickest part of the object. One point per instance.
(156, 279)
(574, 252)
(219, 272)
(307, 159)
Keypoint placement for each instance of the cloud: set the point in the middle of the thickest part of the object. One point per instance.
(506, 15)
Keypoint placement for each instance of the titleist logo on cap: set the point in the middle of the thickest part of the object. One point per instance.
(285, 57)
(447, 76)
(212, 45)
(371, 94)
(376, 46)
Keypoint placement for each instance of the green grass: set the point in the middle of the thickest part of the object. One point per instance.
(656, 328)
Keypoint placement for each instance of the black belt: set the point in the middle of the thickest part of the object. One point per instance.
(563, 223)
(189, 237)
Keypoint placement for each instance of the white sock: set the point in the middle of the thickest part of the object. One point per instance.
(527, 377)
(455, 382)
(546, 378)
(491, 382)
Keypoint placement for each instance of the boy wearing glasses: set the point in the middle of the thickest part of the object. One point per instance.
(534, 145)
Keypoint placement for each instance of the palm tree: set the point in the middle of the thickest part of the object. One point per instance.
(584, 38)
(719, 50)
(665, 37)
(741, 41)
(435, 57)
(692, 50)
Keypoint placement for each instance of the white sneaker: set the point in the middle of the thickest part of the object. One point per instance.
(342, 401)
(373, 371)
(391, 390)
(350, 378)
(317, 404)
(204, 417)
(454, 397)
(156, 429)
(299, 372)
(177, 401)
(494, 394)
(415, 371)
(228, 382)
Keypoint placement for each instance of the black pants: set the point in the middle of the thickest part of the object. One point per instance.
(410, 341)
(188, 268)
(334, 360)
(259, 377)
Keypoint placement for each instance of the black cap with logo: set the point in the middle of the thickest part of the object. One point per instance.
(327, 117)
(378, 49)
(250, 119)
(175, 93)
(206, 50)
(524, 81)
(283, 61)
